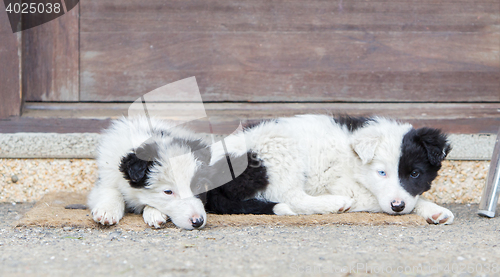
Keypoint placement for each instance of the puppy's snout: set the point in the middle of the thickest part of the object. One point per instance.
(398, 205)
(197, 221)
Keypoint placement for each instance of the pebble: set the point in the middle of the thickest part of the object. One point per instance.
(14, 178)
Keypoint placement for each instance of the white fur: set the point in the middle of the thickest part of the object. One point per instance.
(316, 166)
(112, 194)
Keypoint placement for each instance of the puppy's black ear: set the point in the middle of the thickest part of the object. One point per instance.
(435, 143)
(135, 170)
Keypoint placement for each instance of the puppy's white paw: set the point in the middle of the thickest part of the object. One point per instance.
(283, 209)
(435, 214)
(107, 215)
(154, 217)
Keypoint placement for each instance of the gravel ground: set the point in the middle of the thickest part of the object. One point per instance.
(35, 177)
(458, 181)
(466, 248)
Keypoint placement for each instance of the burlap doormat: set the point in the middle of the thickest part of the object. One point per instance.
(50, 211)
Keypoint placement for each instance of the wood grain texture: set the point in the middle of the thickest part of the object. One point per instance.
(51, 60)
(246, 111)
(462, 118)
(10, 86)
(52, 125)
(381, 51)
(259, 86)
(287, 16)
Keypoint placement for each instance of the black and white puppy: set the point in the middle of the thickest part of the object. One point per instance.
(147, 166)
(316, 164)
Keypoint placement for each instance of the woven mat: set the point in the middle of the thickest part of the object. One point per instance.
(50, 211)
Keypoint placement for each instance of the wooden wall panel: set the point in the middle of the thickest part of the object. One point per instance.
(51, 60)
(387, 51)
(10, 82)
(288, 15)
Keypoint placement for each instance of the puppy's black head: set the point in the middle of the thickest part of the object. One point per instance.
(136, 166)
(422, 152)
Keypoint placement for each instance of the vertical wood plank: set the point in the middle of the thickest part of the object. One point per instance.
(51, 60)
(10, 89)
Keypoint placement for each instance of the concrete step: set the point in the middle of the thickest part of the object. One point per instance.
(83, 145)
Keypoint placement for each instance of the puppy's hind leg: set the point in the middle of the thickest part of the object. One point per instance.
(283, 209)
(106, 204)
(302, 203)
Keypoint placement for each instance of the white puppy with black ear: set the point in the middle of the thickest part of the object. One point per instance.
(148, 169)
(316, 164)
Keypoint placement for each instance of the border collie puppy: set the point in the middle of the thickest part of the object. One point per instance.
(316, 164)
(146, 166)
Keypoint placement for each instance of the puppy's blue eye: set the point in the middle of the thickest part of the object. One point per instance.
(382, 173)
(167, 192)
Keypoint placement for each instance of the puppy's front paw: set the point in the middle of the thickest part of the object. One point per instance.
(153, 217)
(435, 214)
(107, 215)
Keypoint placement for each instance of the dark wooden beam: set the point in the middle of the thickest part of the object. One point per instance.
(51, 59)
(10, 83)
(463, 118)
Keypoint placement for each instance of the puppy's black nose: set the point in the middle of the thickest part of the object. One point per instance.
(398, 205)
(197, 221)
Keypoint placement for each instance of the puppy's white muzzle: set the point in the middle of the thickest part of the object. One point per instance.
(188, 213)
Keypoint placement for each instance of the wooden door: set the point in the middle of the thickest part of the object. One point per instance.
(426, 61)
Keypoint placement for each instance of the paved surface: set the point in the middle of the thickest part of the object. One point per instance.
(469, 247)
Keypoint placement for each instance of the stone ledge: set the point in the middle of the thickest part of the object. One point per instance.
(83, 145)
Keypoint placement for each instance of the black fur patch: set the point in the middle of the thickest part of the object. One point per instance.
(254, 123)
(135, 170)
(422, 152)
(352, 123)
(199, 149)
(136, 165)
(237, 196)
